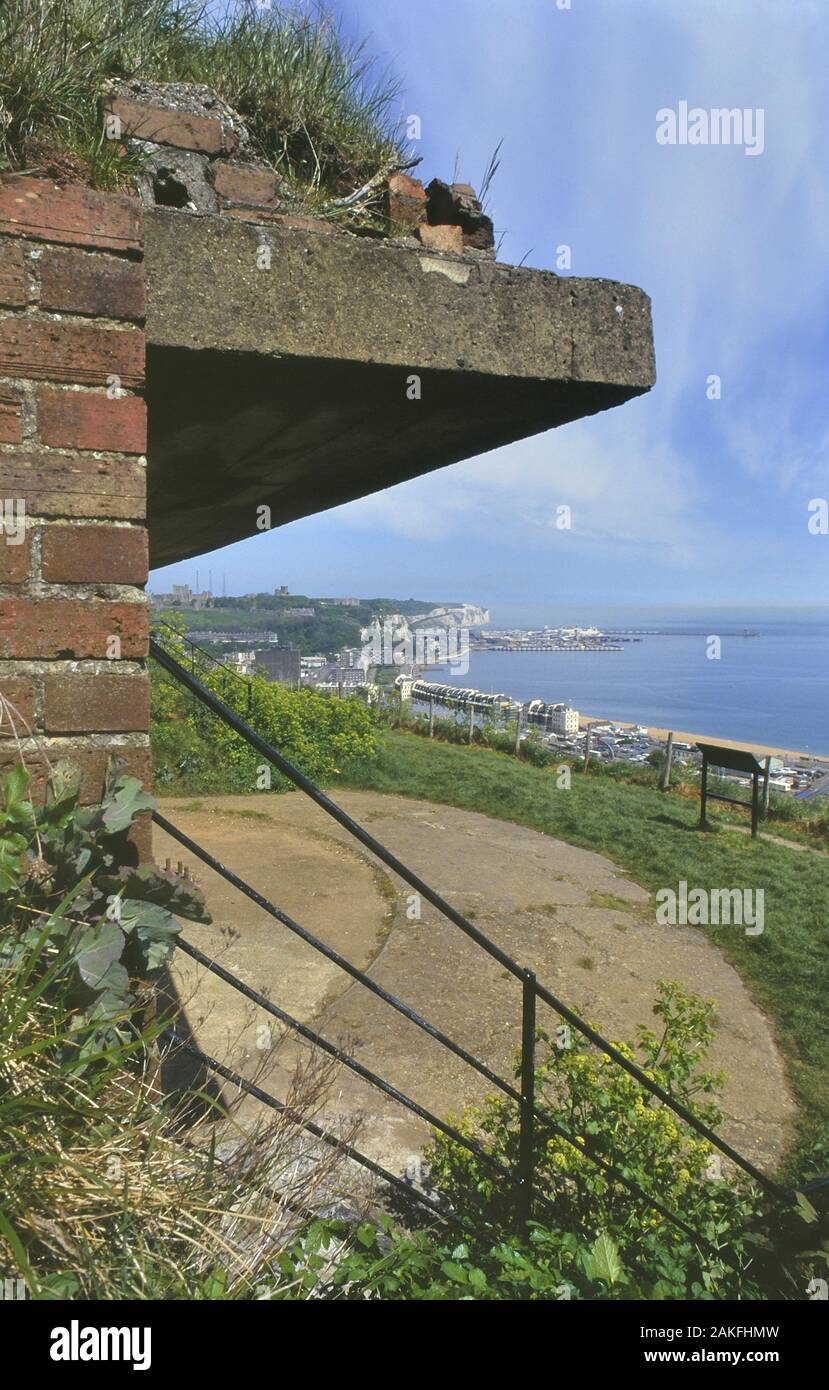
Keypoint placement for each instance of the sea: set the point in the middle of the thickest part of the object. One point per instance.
(770, 684)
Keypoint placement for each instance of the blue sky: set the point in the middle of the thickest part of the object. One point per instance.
(675, 497)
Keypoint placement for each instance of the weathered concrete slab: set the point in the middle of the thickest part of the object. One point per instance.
(289, 386)
(570, 914)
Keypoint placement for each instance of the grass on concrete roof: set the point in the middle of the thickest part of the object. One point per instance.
(316, 106)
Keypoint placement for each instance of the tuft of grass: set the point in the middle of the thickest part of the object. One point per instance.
(316, 108)
(611, 901)
(311, 98)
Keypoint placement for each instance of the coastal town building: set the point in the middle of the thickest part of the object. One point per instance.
(563, 719)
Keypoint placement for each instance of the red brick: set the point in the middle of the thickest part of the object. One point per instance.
(87, 420)
(15, 560)
(78, 629)
(11, 423)
(76, 352)
(458, 205)
(21, 693)
(87, 284)
(12, 275)
(163, 126)
(87, 766)
(94, 554)
(446, 239)
(57, 485)
(75, 215)
(406, 201)
(81, 704)
(239, 183)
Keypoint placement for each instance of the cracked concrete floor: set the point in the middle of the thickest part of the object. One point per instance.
(571, 915)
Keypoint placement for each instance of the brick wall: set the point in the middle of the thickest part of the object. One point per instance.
(197, 155)
(73, 543)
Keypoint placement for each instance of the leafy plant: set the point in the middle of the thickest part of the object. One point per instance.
(334, 1262)
(73, 893)
(613, 1119)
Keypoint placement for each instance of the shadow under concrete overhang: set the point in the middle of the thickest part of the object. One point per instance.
(290, 386)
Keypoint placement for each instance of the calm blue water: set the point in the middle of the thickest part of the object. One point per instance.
(769, 689)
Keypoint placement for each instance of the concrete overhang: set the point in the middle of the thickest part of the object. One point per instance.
(288, 386)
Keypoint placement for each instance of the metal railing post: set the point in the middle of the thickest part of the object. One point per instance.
(766, 787)
(703, 795)
(526, 1137)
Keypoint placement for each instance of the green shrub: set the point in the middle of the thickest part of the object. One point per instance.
(194, 751)
(389, 1263)
(616, 1120)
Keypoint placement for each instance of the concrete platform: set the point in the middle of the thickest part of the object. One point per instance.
(571, 915)
(288, 386)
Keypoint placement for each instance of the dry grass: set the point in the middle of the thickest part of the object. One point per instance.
(110, 1191)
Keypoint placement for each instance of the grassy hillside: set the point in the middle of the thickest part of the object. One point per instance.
(331, 628)
(655, 838)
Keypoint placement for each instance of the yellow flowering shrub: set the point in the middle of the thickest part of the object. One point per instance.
(612, 1118)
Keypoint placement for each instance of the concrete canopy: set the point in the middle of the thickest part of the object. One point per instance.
(288, 386)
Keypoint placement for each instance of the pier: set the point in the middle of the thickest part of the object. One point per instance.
(543, 647)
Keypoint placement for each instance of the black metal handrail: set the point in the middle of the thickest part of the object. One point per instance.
(255, 740)
(530, 1116)
(202, 651)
